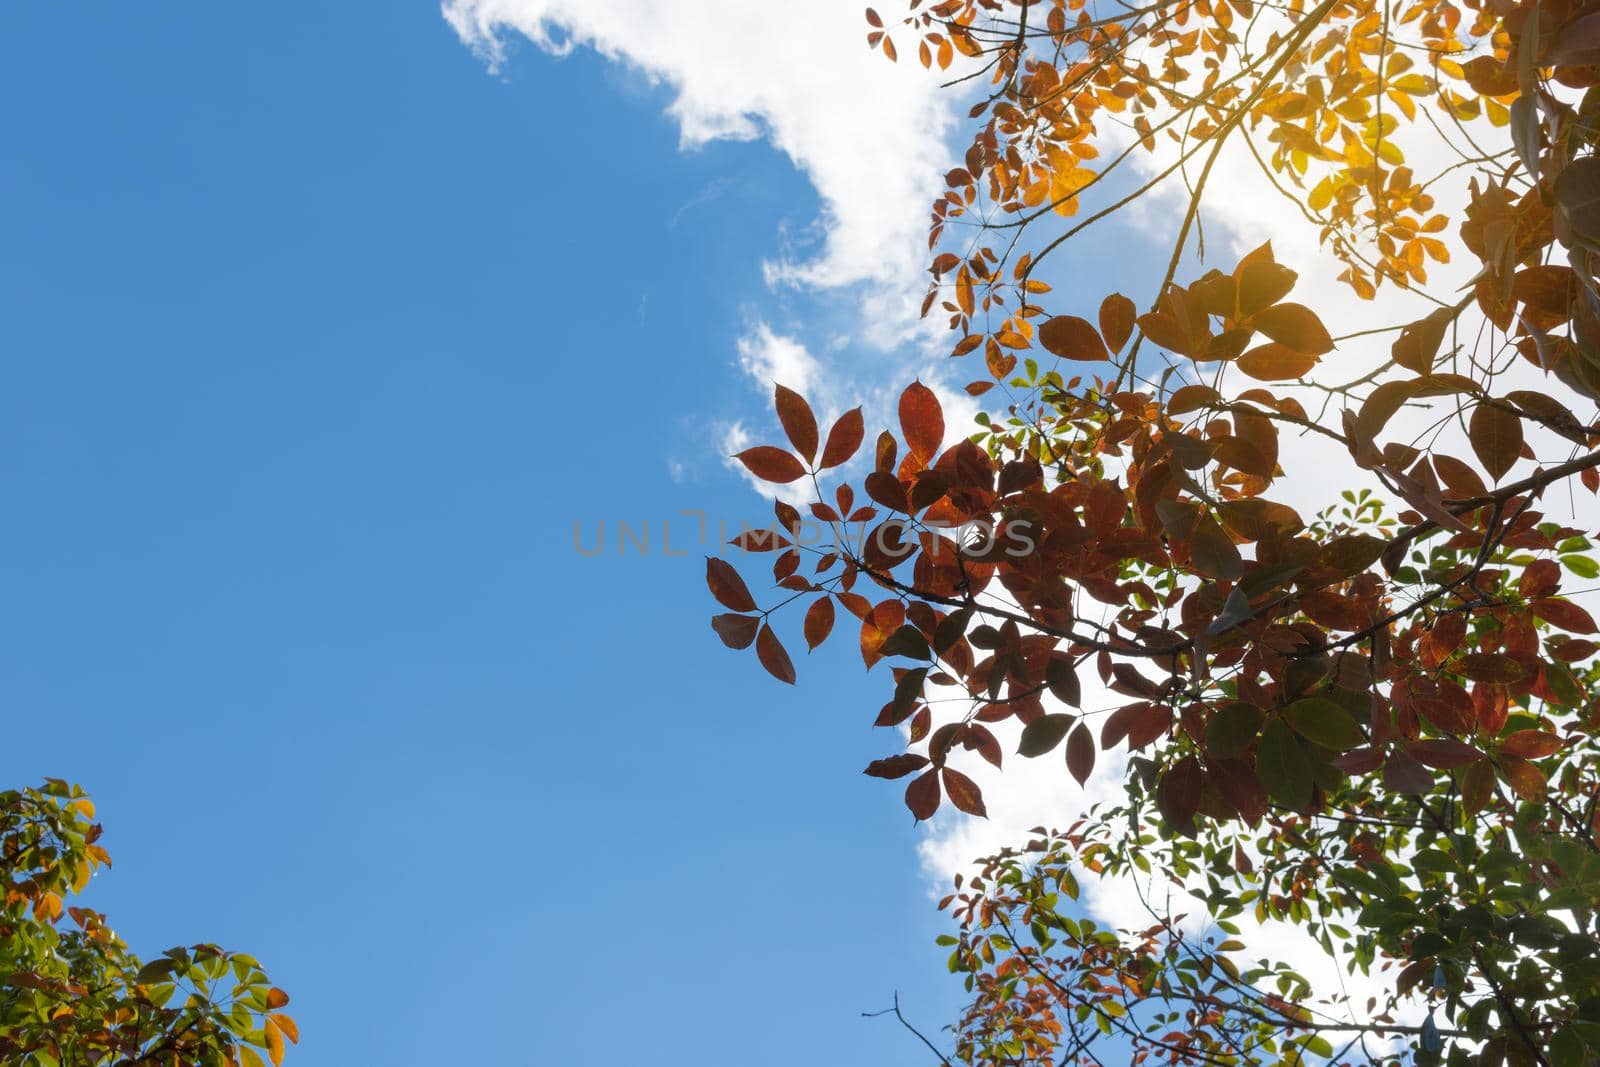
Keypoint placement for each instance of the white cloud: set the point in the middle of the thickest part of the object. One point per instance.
(868, 133)
(772, 358)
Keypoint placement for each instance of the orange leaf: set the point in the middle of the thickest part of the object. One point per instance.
(1262, 283)
(798, 422)
(1496, 436)
(921, 421)
(876, 627)
(1294, 325)
(1166, 331)
(288, 1026)
(1117, 315)
(276, 998)
(771, 464)
(1274, 362)
(1070, 337)
(274, 1041)
(727, 586)
(1530, 744)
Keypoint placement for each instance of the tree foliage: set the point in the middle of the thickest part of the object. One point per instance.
(72, 995)
(1374, 725)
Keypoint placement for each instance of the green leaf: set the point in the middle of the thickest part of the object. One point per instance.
(1321, 720)
(1582, 566)
(1283, 766)
(1043, 734)
(1232, 728)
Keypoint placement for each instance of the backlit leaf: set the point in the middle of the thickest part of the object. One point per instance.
(798, 422)
(772, 464)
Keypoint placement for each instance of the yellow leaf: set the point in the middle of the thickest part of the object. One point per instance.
(287, 1025)
(274, 1042)
(85, 806)
(249, 1057)
(1064, 185)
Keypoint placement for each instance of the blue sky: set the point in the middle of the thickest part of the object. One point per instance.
(320, 336)
(318, 340)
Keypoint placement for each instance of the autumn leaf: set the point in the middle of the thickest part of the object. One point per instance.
(1117, 317)
(843, 439)
(921, 421)
(727, 586)
(1496, 436)
(1080, 753)
(1296, 326)
(1070, 337)
(922, 795)
(896, 766)
(771, 464)
(798, 422)
(769, 650)
(818, 622)
(1276, 362)
(736, 631)
(963, 792)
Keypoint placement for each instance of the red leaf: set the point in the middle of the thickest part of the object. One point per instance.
(1402, 774)
(727, 586)
(1070, 337)
(1565, 614)
(978, 739)
(1540, 578)
(1530, 744)
(886, 489)
(769, 650)
(1080, 753)
(771, 464)
(1237, 782)
(1178, 794)
(1443, 753)
(843, 439)
(877, 626)
(896, 766)
(1527, 779)
(1489, 667)
(921, 421)
(736, 631)
(798, 422)
(964, 793)
(922, 795)
(819, 621)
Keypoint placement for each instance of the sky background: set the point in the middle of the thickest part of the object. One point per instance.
(322, 330)
(319, 337)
